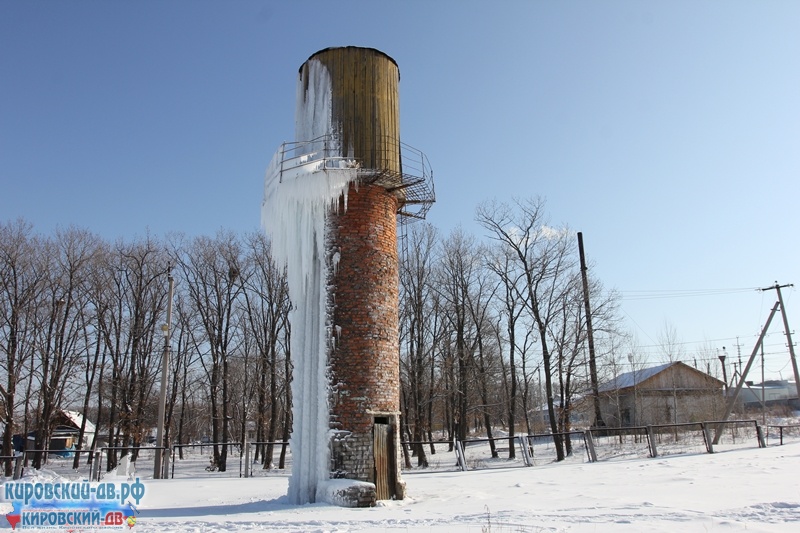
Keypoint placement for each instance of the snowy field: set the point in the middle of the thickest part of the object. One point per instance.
(741, 488)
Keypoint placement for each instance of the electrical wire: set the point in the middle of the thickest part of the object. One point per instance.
(680, 293)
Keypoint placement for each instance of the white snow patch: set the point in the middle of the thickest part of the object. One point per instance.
(749, 489)
(333, 491)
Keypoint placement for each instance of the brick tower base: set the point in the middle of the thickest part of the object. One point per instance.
(364, 362)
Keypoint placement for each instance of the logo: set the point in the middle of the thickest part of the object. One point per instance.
(72, 505)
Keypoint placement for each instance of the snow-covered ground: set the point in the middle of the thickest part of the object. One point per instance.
(739, 489)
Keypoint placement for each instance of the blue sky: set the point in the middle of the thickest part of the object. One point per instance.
(667, 132)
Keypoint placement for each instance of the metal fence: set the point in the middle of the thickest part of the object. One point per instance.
(596, 444)
(59, 461)
(672, 439)
(476, 453)
(197, 460)
(782, 434)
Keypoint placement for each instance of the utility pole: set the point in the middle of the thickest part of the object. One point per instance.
(763, 398)
(788, 332)
(633, 369)
(733, 397)
(541, 397)
(162, 401)
(598, 417)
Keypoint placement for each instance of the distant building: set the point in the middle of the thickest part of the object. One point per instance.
(66, 430)
(776, 393)
(70, 422)
(666, 394)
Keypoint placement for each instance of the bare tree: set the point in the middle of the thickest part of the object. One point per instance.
(670, 346)
(211, 268)
(183, 371)
(416, 321)
(136, 299)
(267, 305)
(568, 334)
(21, 281)
(69, 258)
(458, 269)
(185, 383)
(479, 303)
(531, 375)
(617, 362)
(95, 355)
(511, 307)
(542, 256)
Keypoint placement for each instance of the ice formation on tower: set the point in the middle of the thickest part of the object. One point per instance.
(299, 192)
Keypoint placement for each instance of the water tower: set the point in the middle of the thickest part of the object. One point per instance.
(348, 164)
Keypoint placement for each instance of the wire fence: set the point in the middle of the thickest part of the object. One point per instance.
(196, 460)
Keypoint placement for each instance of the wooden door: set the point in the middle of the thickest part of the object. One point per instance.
(384, 464)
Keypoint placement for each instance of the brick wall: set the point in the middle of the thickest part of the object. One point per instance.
(364, 360)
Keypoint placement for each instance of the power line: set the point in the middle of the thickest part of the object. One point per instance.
(680, 293)
(657, 344)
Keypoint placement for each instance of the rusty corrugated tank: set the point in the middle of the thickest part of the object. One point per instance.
(365, 103)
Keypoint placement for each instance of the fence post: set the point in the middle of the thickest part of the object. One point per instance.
(18, 465)
(167, 454)
(589, 439)
(96, 467)
(707, 437)
(530, 448)
(651, 439)
(246, 450)
(460, 455)
(760, 434)
(524, 447)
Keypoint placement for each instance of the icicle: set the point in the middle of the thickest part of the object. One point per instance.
(297, 200)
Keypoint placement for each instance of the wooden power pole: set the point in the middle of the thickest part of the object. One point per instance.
(788, 333)
(743, 374)
(598, 417)
(733, 397)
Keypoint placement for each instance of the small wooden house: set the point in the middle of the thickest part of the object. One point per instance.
(671, 393)
(64, 436)
(70, 422)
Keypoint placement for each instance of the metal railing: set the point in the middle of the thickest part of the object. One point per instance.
(787, 430)
(599, 444)
(398, 167)
(133, 451)
(243, 450)
(20, 459)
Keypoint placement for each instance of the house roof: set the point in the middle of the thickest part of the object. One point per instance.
(76, 418)
(633, 378)
(637, 377)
